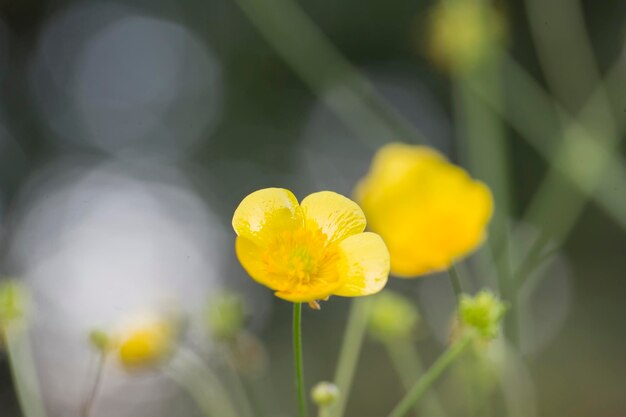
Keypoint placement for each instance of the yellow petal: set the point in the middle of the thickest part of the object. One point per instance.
(335, 215)
(266, 212)
(305, 296)
(364, 264)
(251, 257)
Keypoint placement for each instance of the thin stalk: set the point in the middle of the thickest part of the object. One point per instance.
(297, 354)
(437, 369)
(324, 411)
(202, 385)
(408, 365)
(350, 351)
(19, 355)
(239, 388)
(535, 116)
(88, 404)
(311, 55)
(455, 280)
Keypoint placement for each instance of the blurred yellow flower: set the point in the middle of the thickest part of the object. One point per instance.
(145, 343)
(309, 251)
(429, 212)
(462, 33)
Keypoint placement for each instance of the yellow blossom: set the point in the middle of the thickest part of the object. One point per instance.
(429, 212)
(145, 343)
(462, 33)
(309, 251)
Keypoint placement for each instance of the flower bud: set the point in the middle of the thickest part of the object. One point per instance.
(324, 394)
(392, 317)
(226, 317)
(146, 343)
(462, 33)
(100, 340)
(482, 312)
(13, 300)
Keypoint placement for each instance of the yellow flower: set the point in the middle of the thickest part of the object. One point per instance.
(145, 343)
(429, 212)
(462, 33)
(309, 251)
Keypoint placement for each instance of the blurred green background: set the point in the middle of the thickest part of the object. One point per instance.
(188, 96)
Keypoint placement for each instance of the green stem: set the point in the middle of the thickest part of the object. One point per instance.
(431, 376)
(455, 280)
(408, 365)
(311, 55)
(202, 385)
(242, 396)
(324, 411)
(297, 353)
(350, 351)
(23, 370)
(88, 405)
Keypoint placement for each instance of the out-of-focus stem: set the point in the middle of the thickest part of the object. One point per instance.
(431, 376)
(88, 405)
(19, 354)
(590, 166)
(202, 384)
(307, 50)
(350, 351)
(408, 364)
(455, 281)
(239, 387)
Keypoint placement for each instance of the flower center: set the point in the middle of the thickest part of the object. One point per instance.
(301, 258)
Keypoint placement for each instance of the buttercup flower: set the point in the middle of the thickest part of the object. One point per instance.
(429, 212)
(145, 343)
(309, 251)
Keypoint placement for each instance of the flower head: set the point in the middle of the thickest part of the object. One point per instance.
(226, 317)
(482, 312)
(145, 343)
(429, 212)
(309, 251)
(324, 394)
(462, 33)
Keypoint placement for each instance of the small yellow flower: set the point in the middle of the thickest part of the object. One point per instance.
(309, 251)
(145, 343)
(429, 212)
(462, 33)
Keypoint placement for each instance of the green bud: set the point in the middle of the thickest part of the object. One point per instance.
(100, 340)
(482, 312)
(392, 317)
(226, 317)
(324, 394)
(13, 300)
(463, 34)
